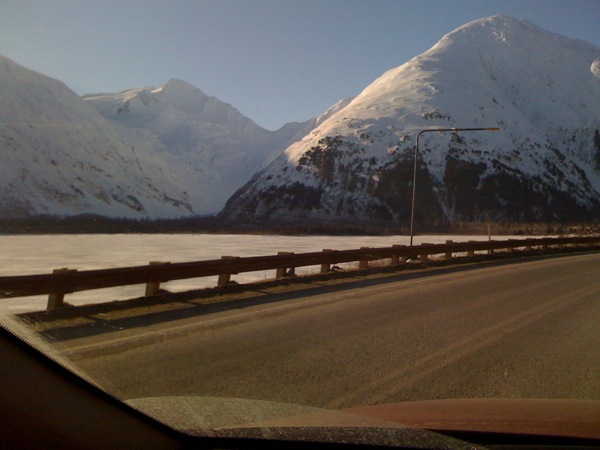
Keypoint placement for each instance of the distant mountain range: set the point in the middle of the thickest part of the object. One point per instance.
(173, 151)
(160, 152)
(541, 89)
(209, 144)
(59, 156)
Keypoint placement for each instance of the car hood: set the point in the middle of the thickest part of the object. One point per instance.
(220, 417)
(398, 424)
(553, 417)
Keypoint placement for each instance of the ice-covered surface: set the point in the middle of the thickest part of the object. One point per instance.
(28, 255)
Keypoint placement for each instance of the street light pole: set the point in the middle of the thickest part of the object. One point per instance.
(431, 130)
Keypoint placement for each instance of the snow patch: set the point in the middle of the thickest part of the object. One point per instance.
(595, 68)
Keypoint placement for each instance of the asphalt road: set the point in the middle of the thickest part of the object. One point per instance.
(528, 329)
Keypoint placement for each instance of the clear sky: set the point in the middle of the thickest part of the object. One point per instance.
(277, 61)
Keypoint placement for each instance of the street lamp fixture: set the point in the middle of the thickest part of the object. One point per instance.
(431, 130)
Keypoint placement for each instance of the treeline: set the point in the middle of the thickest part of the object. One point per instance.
(92, 224)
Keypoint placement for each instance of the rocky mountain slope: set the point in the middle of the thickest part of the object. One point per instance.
(540, 88)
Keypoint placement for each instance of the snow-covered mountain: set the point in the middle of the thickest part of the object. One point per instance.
(59, 156)
(166, 152)
(540, 88)
(207, 142)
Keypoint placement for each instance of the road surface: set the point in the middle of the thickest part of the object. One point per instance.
(525, 329)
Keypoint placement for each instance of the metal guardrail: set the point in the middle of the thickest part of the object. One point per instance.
(66, 281)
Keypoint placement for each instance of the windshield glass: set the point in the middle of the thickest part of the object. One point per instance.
(276, 214)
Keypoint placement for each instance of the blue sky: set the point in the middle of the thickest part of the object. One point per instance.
(277, 61)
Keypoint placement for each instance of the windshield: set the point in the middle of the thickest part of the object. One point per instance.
(262, 215)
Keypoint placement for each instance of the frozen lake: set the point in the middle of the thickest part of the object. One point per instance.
(35, 254)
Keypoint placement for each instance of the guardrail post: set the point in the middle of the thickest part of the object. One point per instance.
(57, 299)
(326, 267)
(395, 260)
(363, 263)
(280, 272)
(152, 287)
(448, 255)
(470, 252)
(423, 257)
(224, 278)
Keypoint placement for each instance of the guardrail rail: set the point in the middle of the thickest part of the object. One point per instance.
(66, 281)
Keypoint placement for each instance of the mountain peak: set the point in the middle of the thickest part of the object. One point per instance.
(508, 31)
(539, 87)
(61, 157)
(180, 87)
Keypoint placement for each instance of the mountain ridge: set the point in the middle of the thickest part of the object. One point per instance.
(174, 151)
(147, 152)
(208, 142)
(60, 157)
(540, 88)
